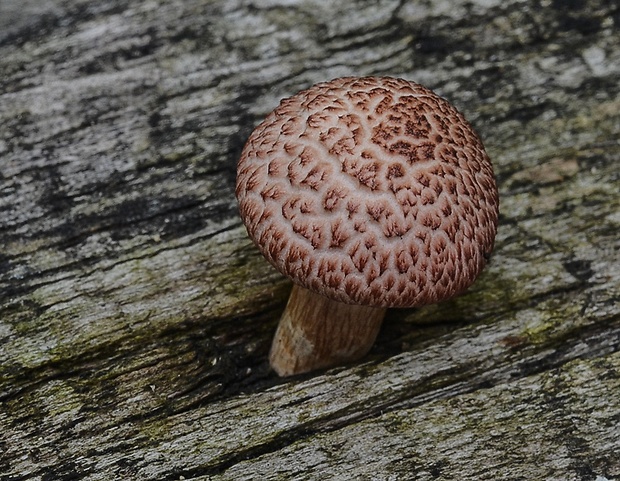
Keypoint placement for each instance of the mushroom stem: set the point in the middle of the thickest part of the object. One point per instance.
(316, 332)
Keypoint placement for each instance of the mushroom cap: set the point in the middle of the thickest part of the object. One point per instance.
(370, 191)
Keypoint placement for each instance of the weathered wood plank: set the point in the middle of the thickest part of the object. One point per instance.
(135, 315)
(556, 425)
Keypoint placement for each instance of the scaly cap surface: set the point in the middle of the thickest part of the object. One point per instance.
(371, 191)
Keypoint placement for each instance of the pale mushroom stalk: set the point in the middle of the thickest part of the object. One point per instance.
(316, 332)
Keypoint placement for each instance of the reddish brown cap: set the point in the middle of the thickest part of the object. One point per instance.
(370, 191)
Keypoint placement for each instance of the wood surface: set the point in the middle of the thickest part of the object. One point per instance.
(136, 316)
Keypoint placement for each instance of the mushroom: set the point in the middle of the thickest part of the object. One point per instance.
(368, 193)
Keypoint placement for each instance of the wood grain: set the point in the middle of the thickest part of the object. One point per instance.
(136, 315)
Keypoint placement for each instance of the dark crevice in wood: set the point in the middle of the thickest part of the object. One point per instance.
(443, 385)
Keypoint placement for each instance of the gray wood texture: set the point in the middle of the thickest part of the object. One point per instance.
(136, 316)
